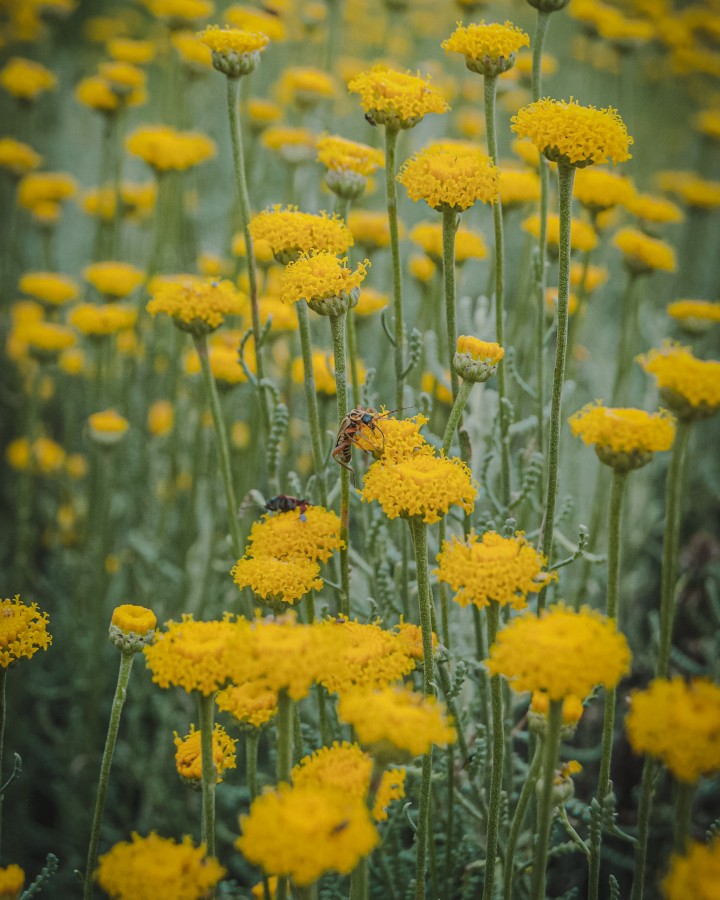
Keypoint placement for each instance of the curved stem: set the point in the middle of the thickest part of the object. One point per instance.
(311, 397)
(566, 176)
(674, 490)
(337, 327)
(490, 98)
(551, 751)
(449, 227)
(391, 136)
(647, 791)
(525, 794)
(498, 755)
(461, 398)
(206, 708)
(126, 661)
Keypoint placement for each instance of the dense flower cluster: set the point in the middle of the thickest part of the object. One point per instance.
(696, 874)
(688, 385)
(322, 277)
(623, 438)
(250, 704)
(449, 177)
(396, 99)
(196, 305)
(292, 233)
(394, 439)
(166, 149)
(313, 533)
(23, 631)
(339, 154)
(488, 48)
(644, 254)
(50, 287)
(188, 754)
(284, 580)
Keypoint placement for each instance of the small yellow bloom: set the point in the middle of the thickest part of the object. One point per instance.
(295, 145)
(252, 18)
(23, 631)
(623, 438)
(284, 580)
(469, 244)
(340, 154)
(653, 210)
(518, 186)
(180, 13)
(695, 315)
(324, 281)
(370, 229)
(450, 177)
(644, 254)
(323, 365)
(583, 236)
(166, 149)
(696, 874)
(489, 49)
(599, 189)
(262, 113)
(51, 287)
(17, 157)
(160, 418)
(188, 754)
(235, 51)
(196, 305)
(396, 99)
(126, 50)
(26, 79)
(250, 704)
(196, 56)
(38, 188)
(44, 339)
(689, 386)
(292, 233)
(370, 301)
(132, 627)
(99, 321)
(114, 279)
(12, 880)
(476, 360)
(305, 85)
(595, 276)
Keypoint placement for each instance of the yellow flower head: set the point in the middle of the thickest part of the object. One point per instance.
(23, 631)
(224, 363)
(338, 154)
(295, 145)
(160, 418)
(132, 627)
(598, 189)
(44, 339)
(699, 193)
(250, 704)
(678, 723)
(396, 99)
(469, 244)
(425, 486)
(492, 569)
(305, 85)
(395, 724)
(235, 51)
(595, 276)
(252, 18)
(371, 301)
(644, 254)
(44, 456)
(196, 656)
(126, 50)
(196, 305)
(166, 149)
(573, 135)
(96, 93)
(653, 210)
(562, 652)
(583, 236)
(12, 880)
(292, 233)
(262, 113)
(151, 867)
(196, 56)
(114, 279)
(475, 360)
(696, 875)
(97, 321)
(323, 365)
(571, 713)
(623, 438)
(450, 178)
(394, 440)
(322, 829)
(370, 229)
(518, 186)
(324, 281)
(188, 754)
(51, 287)
(180, 13)
(19, 158)
(689, 386)
(695, 316)
(346, 768)
(284, 580)
(313, 534)
(279, 654)
(26, 79)
(38, 188)
(489, 49)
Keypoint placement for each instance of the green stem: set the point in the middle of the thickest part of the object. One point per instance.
(525, 794)
(284, 721)
(206, 707)
(461, 398)
(126, 661)
(233, 98)
(333, 33)
(449, 228)
(391, 136)
(490, 101)
(311, 397)
(337, 327)
(359, 882)
(498, 754)
(223, 452)
(551, 751)
(647, 791)
(685, 794)
(353, 354)
(566, 176)
(251, 755)
(623, 362)
(617, 492)
(674, 489)
(3, 678)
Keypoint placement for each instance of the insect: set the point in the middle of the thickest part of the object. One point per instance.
(369, 119)
(353, 423)
(284, 503)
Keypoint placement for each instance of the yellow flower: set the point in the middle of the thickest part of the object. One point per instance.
(295, 145)
(696, 874)
(476, 360)
(44, 456)
(180, 13)
(96, 93)
(224, 363)
(652, 209)
(323, 280)
(97, 321)
(26, 79)
(292, 233)
(196, 656)
(196, 56)
(12, 879)
(152, 867)
(166, 149)
(489, 49)
(131, 627)
(19, 158)
(138, 199)
(322, 830)
(262, 113)
(283, 580)
(396, 724)
(695, 315)
(598, 189)
(396, 99)
(305, 86)
(678, 723)
(72, 361)
(644, 254)
(437, 388)
(107, 427)
(689, 386)
(393, 440)
(52, 287)
(450, 178)
(582, 235)
(196, 305)
(595, 277)
(250, 704)
(370, 229)
(561, 652)
(469, 244)
(571, 712)
(492, 569)
(346, 768)
(252, 18)
(23, 631)
(235, 51)
(623, 438)
(573, 135)
(127, 50)
(313, 534)
(114, 279)
(38, 188)
(44, 339)
(340, 154)
(698, 193)
(160, 418)
(323, 364)
(518, 186)
(188, 754)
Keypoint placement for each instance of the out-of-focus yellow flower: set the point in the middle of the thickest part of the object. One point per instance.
(126, 50)
(623, 438)
(469, 244)
(292, 233)
(114, 279)
(696, 874)
(306, 86)
(44, 339)
(160, 418)
(72, 361)
(695, 315)
(99, 321)
(224, 363)
(37, 188)
(599, 189)
(396, 99)
(422, 268)
(323, 364)
(196, 55)
(689, 386)
(644, 254)
(551, 301)
(12, 880)
(261, 113)
(370, 229)
(517, 187)
(107, 427)
(583, 236)
(188, 754)
(26, 79)
(23, 631)
(179, 14)
(52, 288)
(253, 18)
(17, 157)
(489, 49)
(166, 149)
(594, 278)
(295, 145)
(653, 210)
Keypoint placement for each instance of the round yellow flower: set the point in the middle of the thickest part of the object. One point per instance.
(196, 305)
(107, 427)
(323, 364)
(324, 281)
(51, 287)
(152, 867)
(313, 534)
(489, 49)
(595, 276)
(12, 880)
(340, 154)
(98, 321)
(224, 364)
(572, 707)
(518, 186)
(196, 56)
(678, 723)
(160, 418)
(573, 135)
(689, 386)
(44, 339)
(126, 50)
(644, 254)
(235, 51)
(469, 244)
(284, 580)
(699, 193)
(653, 210)
(44, 456)
(475, 360)
(393, 440)
(696, 875)
(39, 188)
(583, 236)
(114, 279)
(492, 569)
(323, 830)
(396, 724)
(450, 178)
(295, 145)
(26, 79)
(97, 94)
(561, 652)
(132, 627)
(166, 149)
(252, 18)
(188, 754)
(598, 189)
(250, 704)
(196, 656)
(305, 85)
(623, 438)
(23, 631)
(370, 229)
(396, 99)
(262, 113)
(425, 486)
(180, 13)
(292, 233)
(19, 158)
(694, 315)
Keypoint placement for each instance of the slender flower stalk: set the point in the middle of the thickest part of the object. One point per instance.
(284, 763)
(251, 755)
(461, 398)
(337, 327)
(3, 680)
(391, 136)
(498, 756)
(685, 794)
(551, 750)
(623, 367)
(206, 707)
(518, 816)
(449, 227)
(651, 768)
(311, 397)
